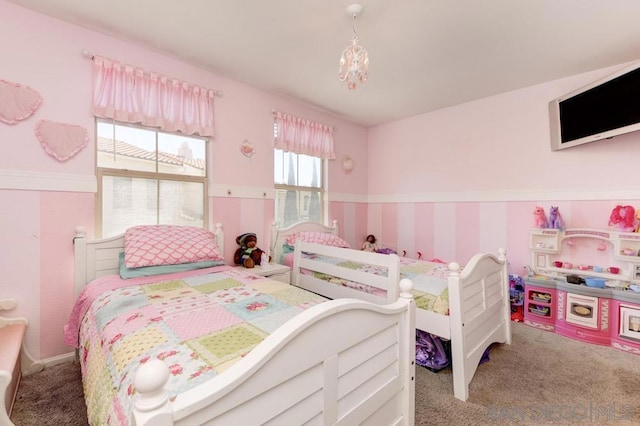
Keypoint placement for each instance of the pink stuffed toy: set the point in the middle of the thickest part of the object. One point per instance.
(539, 217)
(624, 218)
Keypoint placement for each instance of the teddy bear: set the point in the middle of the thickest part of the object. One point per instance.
(248, 254)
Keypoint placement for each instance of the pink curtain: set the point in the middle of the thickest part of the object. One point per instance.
(304, 136)
(129, 94)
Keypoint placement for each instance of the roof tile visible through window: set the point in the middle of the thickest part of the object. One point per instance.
(128, 150)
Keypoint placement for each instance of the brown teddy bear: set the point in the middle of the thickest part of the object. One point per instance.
(248, 254)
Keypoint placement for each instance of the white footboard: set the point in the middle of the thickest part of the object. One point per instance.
(340, 362)
(480, 314)
(479, 308)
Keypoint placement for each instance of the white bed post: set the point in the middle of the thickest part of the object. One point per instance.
(273, 241)
(502, 256)
(409, 350)
(219, 233)
(151, 406)
(458, 361)
(80, 260)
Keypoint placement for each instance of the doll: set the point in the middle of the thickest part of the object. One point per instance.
(370, 244)
(248, 254)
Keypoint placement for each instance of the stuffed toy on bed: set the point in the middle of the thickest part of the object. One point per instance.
(248, 254)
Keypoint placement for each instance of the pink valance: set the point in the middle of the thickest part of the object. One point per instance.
(131, 95)
(304, 136)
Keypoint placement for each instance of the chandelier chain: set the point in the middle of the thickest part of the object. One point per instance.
(355, 34)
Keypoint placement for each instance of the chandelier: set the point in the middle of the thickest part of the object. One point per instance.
(354, 62)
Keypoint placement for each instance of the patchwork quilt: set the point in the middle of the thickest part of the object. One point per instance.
(430, 285)
(198, 324)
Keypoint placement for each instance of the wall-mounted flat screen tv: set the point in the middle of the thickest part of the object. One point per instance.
(603, 109)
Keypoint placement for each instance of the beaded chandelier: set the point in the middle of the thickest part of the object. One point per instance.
(354, 62)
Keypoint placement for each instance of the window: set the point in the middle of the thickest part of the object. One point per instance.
(146, 176)
(298, 182)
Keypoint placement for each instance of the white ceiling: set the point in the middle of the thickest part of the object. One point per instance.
(424, 54)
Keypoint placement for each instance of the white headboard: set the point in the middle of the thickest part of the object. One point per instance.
(95, 258)
(279, 236)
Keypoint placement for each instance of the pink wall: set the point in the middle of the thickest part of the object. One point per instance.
(43, 200)
(466, 178)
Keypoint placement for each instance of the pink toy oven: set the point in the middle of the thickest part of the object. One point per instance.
(626, 335)
(583, 317)
(629, 323)
(582, 310)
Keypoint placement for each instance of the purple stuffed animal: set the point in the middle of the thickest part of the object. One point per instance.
(555, 220)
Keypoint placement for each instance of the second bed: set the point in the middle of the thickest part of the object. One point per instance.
(467, 305)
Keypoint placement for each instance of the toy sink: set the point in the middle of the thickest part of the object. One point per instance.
(594, 282)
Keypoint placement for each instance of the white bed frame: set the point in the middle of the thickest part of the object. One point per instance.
(345, 362)
(279, 236)
(479, 306)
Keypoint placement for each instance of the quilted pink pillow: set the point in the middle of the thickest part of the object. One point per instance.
(153, 245)
(318, 238)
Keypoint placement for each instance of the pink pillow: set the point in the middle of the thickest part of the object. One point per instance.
(153, 245)
(318, 238)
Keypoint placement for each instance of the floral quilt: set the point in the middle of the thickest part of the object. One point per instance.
(198, 324)
(430, 285)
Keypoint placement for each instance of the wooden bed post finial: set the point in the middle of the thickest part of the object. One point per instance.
(406, 285)
(151, 407)
(81, 232)
(502, 254)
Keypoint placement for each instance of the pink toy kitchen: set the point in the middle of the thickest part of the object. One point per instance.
(585, 284)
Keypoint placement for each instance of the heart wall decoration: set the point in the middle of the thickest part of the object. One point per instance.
(17, 102)
(60, 140)
(247, 149)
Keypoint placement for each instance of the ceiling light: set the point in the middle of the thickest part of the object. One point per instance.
(354, 62)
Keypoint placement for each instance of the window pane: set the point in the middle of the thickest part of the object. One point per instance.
(290, 169)
(293, 206)
(309, 173)
(142, 192)
(122, 147)
(278, 166)
(181, 155)
(181, 203)
(128, 202)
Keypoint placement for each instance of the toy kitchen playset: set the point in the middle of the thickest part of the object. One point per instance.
(595, 299)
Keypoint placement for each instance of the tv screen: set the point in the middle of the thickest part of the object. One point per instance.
(603, 109)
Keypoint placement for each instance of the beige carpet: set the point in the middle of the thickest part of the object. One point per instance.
(542, 378)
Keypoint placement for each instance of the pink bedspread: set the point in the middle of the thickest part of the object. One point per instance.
(199, 323)
(113, 282)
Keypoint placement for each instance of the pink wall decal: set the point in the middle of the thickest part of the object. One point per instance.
(61, 141)
(17, 102)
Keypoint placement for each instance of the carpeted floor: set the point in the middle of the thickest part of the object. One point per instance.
(52, 397)
(542, 378)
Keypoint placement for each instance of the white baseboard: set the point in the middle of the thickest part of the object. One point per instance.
(39, 365)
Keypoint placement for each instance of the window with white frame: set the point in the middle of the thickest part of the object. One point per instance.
(146, 176)
(299, 190)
